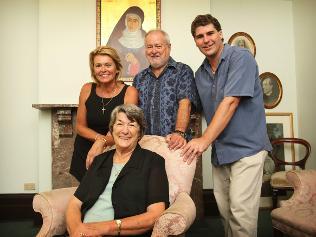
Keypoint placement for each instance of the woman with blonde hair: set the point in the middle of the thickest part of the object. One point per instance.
(96, 101)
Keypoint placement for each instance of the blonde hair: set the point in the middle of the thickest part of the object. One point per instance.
(106, 51)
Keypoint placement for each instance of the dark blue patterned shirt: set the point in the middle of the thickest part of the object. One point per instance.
(159, 97)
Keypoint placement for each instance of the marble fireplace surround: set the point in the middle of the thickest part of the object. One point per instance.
(63, 133)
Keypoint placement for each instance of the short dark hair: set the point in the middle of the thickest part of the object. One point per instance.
(204, 20)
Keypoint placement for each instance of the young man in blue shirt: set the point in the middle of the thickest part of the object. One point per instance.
(229, 87)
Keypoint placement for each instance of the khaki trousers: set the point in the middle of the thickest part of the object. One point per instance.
(237, 189)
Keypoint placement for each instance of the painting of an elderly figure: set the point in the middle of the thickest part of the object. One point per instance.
(272, 90)
(128, 39)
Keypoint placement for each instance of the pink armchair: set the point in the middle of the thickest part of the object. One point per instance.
(174, 221)
(297, 215)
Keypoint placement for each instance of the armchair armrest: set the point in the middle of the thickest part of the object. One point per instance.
(52, 206)
(177, 218)
(304, 183)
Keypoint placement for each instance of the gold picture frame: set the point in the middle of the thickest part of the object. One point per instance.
(244, 40)
(122, 25)
(271, 89)
(280, 125)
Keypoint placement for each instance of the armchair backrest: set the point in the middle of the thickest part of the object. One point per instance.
(180, 174)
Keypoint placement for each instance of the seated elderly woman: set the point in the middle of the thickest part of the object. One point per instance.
(126, 189)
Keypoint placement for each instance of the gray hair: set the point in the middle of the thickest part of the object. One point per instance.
(133, 113)
(165, 34)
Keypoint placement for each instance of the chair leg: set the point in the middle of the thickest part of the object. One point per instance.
(274, 198)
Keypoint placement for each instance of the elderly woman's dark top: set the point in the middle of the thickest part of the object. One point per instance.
(142, 182)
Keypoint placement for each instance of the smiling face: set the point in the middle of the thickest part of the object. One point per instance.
(157, 50)
(104, 69)
(126, 133)
(209, 41)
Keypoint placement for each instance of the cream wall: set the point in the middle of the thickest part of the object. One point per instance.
(304, 24)
(66, 35)
(44, 52)
(18, 83)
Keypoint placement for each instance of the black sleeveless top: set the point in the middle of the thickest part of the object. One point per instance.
(96, 120)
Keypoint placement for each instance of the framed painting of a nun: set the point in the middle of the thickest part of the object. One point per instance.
(122, 24)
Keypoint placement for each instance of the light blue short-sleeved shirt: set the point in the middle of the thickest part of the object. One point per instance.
(236, 75)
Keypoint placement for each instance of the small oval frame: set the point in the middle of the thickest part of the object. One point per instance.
(277, 90)
(246, 39)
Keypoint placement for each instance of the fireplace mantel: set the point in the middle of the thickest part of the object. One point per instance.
(53, 106)
(63, 133)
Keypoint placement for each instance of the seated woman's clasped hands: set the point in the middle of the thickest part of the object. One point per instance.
(126, 189)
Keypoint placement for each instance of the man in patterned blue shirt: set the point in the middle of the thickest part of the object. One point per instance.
(166, 91)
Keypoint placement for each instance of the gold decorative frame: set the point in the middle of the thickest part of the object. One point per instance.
(108, 15)
(273, 96)
(281, 125)
(245, 39)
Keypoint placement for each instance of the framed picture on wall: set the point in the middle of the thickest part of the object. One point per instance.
(280, 125)
(243, 40)
(122, 24)
(272, 89)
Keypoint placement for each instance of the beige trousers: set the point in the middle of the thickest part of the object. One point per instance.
(237, 189)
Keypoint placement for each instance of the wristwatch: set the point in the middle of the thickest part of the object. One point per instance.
(118, 223)
(182, 134)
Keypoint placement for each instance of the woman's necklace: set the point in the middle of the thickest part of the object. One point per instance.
(104, 105)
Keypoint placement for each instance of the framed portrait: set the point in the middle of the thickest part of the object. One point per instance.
(272, 89)
(243, 40)
(122, 24)
(280, 125)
